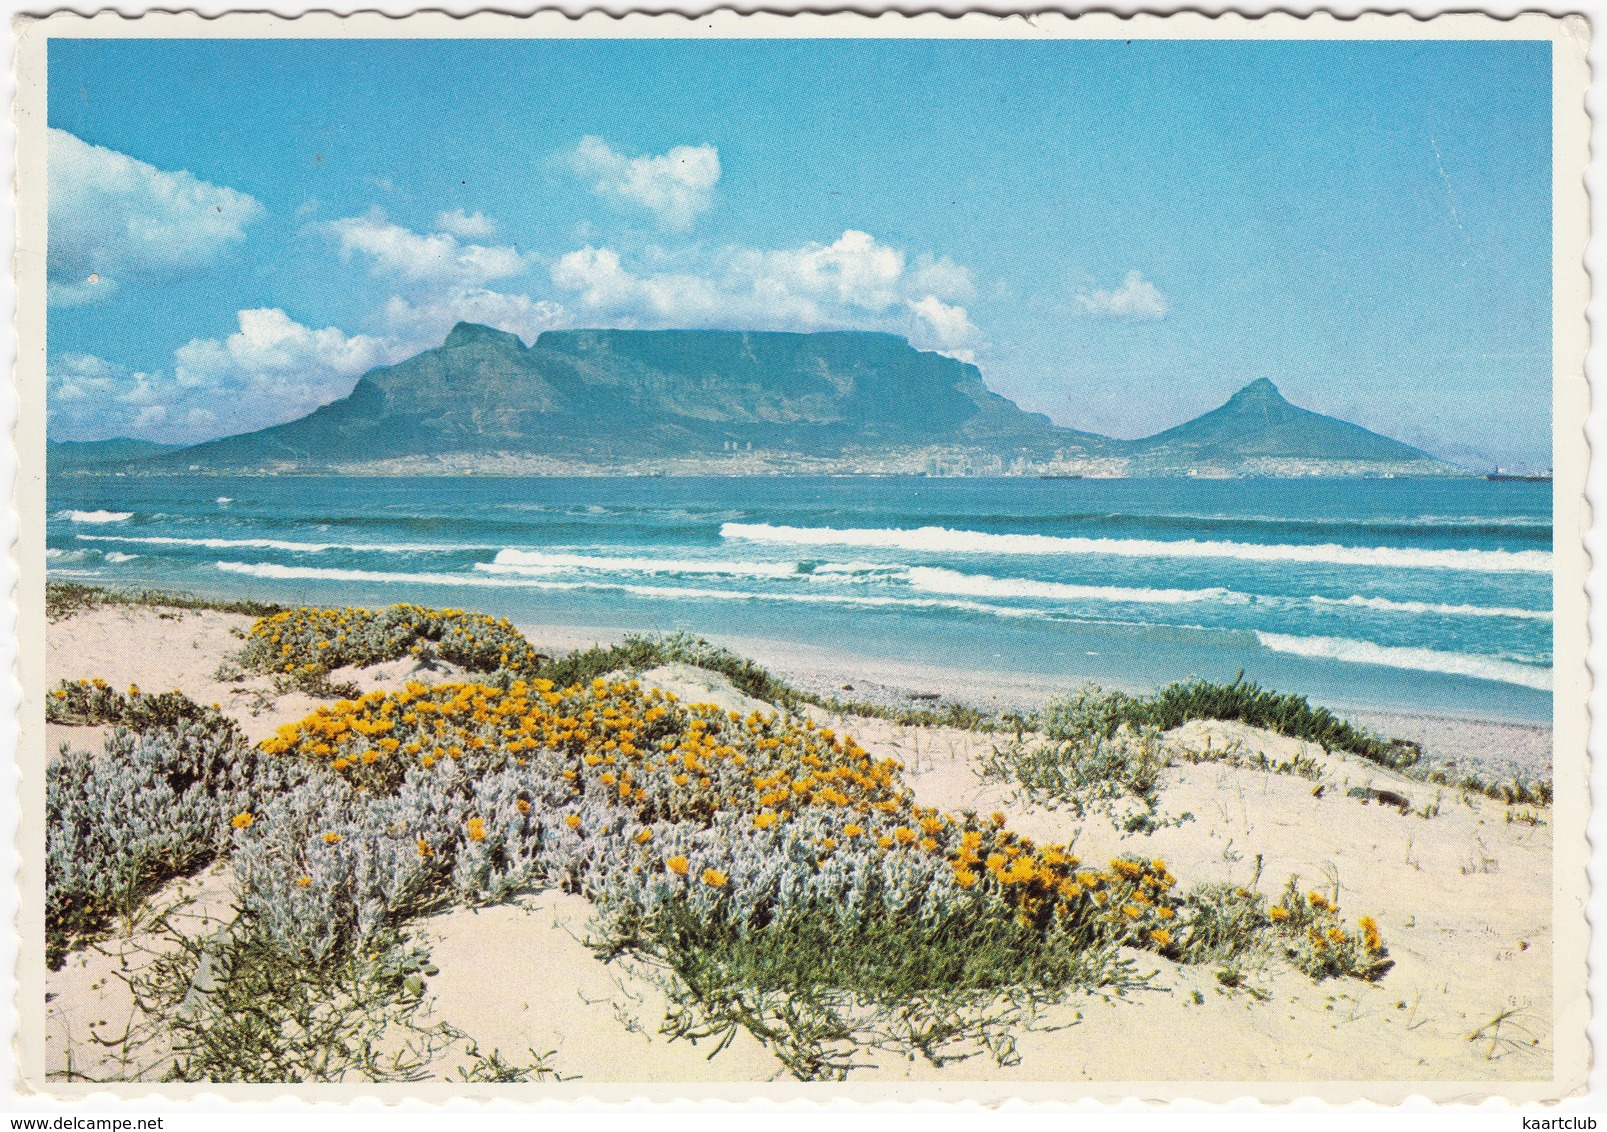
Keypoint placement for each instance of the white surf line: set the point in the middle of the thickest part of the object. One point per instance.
(1386, 605)
(95, 516)
(287, 545)
(947, 541)
(1419, 660)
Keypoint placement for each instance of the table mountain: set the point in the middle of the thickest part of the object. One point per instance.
(628, 394)
(634, 400)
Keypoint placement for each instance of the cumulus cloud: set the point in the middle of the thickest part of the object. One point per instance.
(855, 282)
(425, 322)
(440, 279)
(273, 369)
(676, 187)
(1136, 298)
(944, 327)
(117, 220)
(470, 226)
(435, 258)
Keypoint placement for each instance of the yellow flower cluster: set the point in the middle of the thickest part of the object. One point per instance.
(635, 748)
(1370, 937)
(316, 641)
(1319, 942)
(642, 750)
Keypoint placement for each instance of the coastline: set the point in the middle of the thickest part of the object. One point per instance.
(1491, 748)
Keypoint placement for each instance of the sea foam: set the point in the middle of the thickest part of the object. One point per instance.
(494, 580)
(284, 544)
(944, 540)
(934, 579)
(1420, 660)
(95, 516)
(1385, 605)
(927, 579)
(535, 561)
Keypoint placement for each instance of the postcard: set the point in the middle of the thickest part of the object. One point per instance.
(802, 556)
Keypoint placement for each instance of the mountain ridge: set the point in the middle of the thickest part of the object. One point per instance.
(1259, 423)
(68, 455)
(743, 402)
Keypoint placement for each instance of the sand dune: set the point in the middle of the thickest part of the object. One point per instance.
(1462, 897)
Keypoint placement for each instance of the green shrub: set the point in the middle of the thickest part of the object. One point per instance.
(1318, 943)
(1247, 702)
(89, 702)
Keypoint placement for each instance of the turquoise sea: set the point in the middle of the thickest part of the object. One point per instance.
(1418, 595)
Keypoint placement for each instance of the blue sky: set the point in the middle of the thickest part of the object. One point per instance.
(1119, 234)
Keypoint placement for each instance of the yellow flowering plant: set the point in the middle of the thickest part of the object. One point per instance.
(637, 761)
(306, 644)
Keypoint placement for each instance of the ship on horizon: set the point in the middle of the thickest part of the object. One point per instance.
(1500, 475)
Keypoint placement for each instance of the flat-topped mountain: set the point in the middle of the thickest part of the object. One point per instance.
(628, 394)
(745, 402)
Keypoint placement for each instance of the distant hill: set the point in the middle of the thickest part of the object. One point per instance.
(614, 395)
(1257, 430)
(733, 402)
(71, 455)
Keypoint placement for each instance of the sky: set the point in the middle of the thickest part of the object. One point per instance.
(1119, 235)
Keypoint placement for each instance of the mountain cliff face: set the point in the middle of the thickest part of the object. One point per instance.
(850, 400)
(614, 394)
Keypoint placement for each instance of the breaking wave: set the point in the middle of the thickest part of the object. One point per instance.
(947, 541)
(1419, 660)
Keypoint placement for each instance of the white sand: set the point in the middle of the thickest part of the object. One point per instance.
(1462, 898)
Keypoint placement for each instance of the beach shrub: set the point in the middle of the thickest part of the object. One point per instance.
(1319, 943)
(710, 842)
(90, 702)
(233, 1006)
(150, 806)
(1092, 712)
(306, 644)
(1052, 747)
(1245, 701)
(1086, 754)
(638, 653)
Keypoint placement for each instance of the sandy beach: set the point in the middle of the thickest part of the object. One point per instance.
(1460, 889)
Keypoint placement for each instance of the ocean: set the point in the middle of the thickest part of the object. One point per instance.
(1429, 596)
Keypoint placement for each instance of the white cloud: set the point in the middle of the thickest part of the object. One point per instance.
(271, 346)
(436, 258)
(856, 271)
(676, 186)
(425, 323)
(470, 226)
(1136, 298)
(114, 220)
(855, 282)
(271, 370)
(946, 328)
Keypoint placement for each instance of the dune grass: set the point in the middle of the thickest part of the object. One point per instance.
(66, 599)
(1245, 701)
